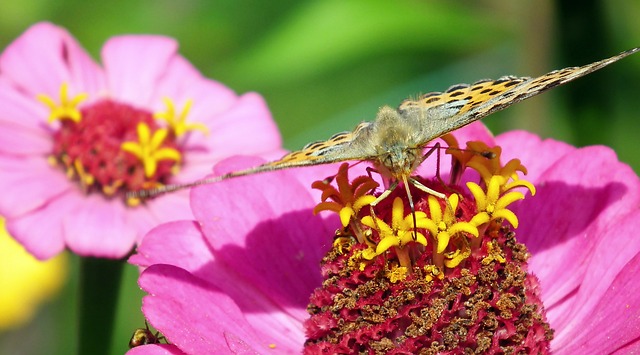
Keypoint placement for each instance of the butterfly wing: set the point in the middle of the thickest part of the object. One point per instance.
(439, 113)
(338, 148)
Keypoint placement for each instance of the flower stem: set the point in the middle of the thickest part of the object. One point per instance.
(99, 288)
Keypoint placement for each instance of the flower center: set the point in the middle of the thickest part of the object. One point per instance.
(114, 148)
(449, 277)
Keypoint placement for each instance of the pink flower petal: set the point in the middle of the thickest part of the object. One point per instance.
(182, 244)
(41, 231)
(168, 207)
(28, 184)
(144, 58)
(176, 298)
(20, 110)
(19, 141)
(600, 189)
(604, 295)
(178, 243)
(156, 349)
(243, 130)
(97, 228)
(264, 210)
(46, 56)
(535, 154)
(182, 82)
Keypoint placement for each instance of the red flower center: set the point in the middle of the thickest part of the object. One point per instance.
(91, 151)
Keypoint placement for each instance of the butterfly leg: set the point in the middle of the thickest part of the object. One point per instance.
(430, 191)
(388, 191)
(413, 209)
(453, 169)
(382, 196)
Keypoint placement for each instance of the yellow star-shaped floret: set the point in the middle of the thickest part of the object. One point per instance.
(401, 231)
(349, 198)
(492, 204)
(67, 109)
(444, 226)
(178, 122)
(149, 148)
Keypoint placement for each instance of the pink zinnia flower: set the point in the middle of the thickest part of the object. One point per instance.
(239, 277)
(76, 137)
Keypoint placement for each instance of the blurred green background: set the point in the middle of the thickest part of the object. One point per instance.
(324, 66)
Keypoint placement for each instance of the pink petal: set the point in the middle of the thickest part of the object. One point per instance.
(97, 228)
(605, 294)
(23, 127)
(535, 154)
(245, 129)
(182, 244)
(178, 243)
(144, 58)
(28, 184)
(182, 82)
(161, 209)
(41, 231)
(156, 349)
(22, 111)
(20, 141)
(46, 56)
(176, 299)
(236, 225)
(579, 195)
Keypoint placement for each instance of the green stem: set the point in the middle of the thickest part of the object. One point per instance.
(99, 288)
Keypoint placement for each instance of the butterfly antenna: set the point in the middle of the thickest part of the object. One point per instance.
(144, 194)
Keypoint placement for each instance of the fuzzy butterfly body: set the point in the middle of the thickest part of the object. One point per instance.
(394, 141)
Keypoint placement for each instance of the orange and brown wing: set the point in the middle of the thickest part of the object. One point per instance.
(439, 113)
(336, 149)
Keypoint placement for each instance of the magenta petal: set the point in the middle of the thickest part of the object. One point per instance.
(267, 233)
(476, 131)
(167, 207)
(156, 349)
(23, 130)
(182, 244)
(579, 195)
(182, 82)
(20, 141)
(144, 58)
(97, 228)
(535, 154)
(178, 243)
(245, 129)
(28, 184)
(41, 231)
(604, 295)
(20, 110)
(46, 56)
(176, 299)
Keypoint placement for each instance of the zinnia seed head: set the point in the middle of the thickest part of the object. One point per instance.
(112, 147)
(433, 280)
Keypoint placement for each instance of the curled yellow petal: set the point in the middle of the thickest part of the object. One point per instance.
(443, 241)
(508, 216)
(507, 199)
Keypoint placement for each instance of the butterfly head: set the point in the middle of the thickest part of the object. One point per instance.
(398, 162)
(397, 155)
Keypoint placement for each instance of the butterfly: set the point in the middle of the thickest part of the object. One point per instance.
(394, 142)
